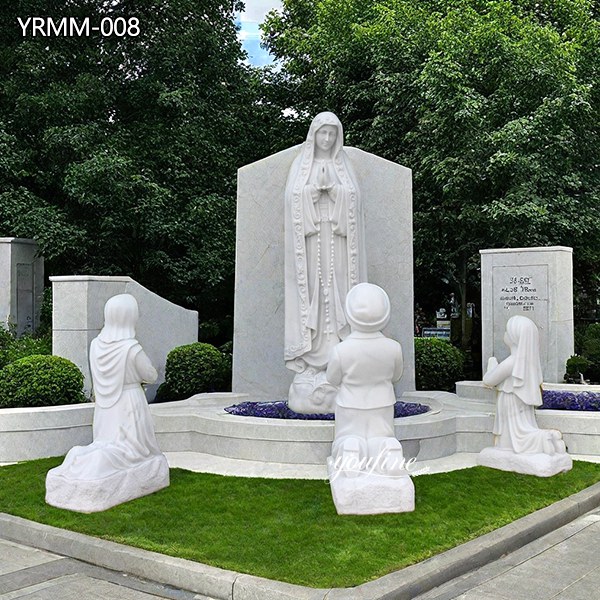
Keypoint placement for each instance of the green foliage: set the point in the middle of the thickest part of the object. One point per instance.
(26, 345)
(226, 351)
(288, 530)
(119, 154)
(576, 367)
(45, 327)
(40, 381)
(13, 348)
(494, 105)
(193, 369)
(587, 359)
(438, 364)
(591, 351)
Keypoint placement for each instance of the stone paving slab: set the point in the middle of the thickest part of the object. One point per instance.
(474, 579)
(407, 583)
(565, 564)
(15, 557)
(77, 587)
(65, 578)
(586, 588)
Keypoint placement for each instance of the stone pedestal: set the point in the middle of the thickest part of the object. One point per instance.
(367, 493)
(95, 495)
(541, 465)
(22, 289)
(536, 283)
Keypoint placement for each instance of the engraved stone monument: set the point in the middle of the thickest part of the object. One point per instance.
(536, 283)
(22, 289)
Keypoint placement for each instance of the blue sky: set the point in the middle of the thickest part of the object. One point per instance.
(249, 34)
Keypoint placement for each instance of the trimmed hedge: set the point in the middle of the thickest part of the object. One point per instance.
(40, 381)
(438, 364)
(193, 369)
(199, 367)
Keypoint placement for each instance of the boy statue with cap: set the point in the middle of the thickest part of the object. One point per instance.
(366, 469)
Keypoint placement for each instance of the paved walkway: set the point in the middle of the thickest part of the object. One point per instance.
(38, 575)
(563, 565)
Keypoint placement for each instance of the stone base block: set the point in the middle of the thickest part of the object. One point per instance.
(541, 465)
(370, 493)
(95, 495)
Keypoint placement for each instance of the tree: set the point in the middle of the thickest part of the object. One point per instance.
(121, 151)
(494, 105)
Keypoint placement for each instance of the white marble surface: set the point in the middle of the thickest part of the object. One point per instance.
(195, 425)
(258, 366)
(548, 271)
(95, 495)
(78, 303)
(476, 392)
(369, 493)
(541, 465)
(30, 433)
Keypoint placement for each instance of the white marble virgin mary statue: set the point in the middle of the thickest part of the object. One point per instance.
(324, 259)
(124, 460)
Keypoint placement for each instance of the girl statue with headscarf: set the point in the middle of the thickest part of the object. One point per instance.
(124, 460)
(518, 381)
(324, 259)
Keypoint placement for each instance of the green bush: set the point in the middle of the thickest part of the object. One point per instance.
(226, 372)
(40, 381)
(13, 348)
(576, 366)
(193, 369)
(438, 364)
(588, 340)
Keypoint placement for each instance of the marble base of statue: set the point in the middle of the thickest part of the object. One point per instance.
(310, 393)
(95, 495)
(369, 492)
(539, 464)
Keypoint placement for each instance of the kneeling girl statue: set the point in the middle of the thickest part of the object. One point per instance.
(124, 461)
(520, 445)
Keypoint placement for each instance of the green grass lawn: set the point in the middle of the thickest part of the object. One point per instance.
(288, 529)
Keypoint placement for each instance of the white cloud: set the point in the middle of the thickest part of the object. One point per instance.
(257, 9)
(249, 33)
